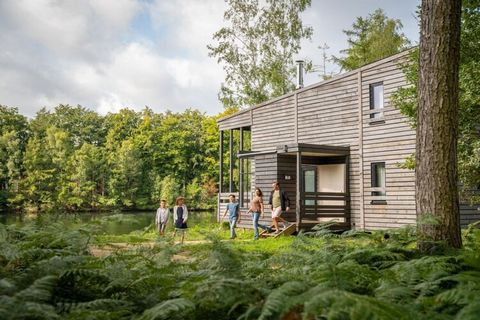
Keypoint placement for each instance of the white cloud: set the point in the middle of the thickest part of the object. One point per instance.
(84, 53)
(93, 52)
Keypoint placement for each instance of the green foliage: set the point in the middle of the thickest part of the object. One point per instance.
(74, 159)
(169, 189)
(371, 39)
(171, 309)
(14, 134)
(405, 99)
(257, 48)
(47, 272)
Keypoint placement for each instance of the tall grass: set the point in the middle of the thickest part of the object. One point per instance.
(48, 272)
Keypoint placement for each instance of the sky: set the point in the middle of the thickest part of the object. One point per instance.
(110, 54)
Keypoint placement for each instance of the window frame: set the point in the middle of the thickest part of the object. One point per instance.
(372, 110)
(380, 197)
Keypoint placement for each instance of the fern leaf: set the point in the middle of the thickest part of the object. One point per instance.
(337, 304)
(101, 304)
(470, 312)
(40, 291)
(279, 301)
(170, 309)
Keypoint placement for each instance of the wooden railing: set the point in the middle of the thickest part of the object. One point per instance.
(316, 207)
(326, 205)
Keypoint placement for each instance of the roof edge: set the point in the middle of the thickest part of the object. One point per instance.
(324, 82)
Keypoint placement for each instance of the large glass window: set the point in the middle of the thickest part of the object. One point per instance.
(246, 190)
(376, 100)
(378, 179)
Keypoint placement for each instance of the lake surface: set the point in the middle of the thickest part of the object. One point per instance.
(115, 222)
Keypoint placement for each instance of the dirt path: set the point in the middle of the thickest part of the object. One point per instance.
(105, 250)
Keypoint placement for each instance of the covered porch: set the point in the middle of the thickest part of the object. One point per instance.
(315, 177)
(320, 184)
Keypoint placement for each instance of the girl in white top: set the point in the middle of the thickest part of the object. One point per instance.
(161, 218)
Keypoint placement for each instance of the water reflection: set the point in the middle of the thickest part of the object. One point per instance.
(114, 222)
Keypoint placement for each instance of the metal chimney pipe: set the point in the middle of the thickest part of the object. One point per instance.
(299, 73)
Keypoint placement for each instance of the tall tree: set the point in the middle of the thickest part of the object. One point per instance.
(74, 158)
(13, 139)
(257, 49)
(405, 99)
(372, 38)
(437, 124)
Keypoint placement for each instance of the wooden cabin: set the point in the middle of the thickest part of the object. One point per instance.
(335, 147)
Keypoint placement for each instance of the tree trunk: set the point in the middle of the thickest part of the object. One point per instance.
(437, 125)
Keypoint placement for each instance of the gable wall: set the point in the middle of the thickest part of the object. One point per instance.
(390, 142)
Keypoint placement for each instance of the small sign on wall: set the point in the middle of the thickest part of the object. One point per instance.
(288, 177)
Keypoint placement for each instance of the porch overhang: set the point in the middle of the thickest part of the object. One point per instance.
(304, 148)
(313, 150)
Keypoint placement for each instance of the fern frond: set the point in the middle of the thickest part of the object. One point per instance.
(337, 304)
(171, 309)
(374, 257)
(6, 287)
(40, 291)
(3, 233)
(469, 312)
(101, 304)
(323, 230)
(396, 293)
(33, 310)
(252, 312)
(280, 300)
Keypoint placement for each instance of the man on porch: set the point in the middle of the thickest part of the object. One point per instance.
(279, 202)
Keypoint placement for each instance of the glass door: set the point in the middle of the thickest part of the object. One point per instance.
(309, 183)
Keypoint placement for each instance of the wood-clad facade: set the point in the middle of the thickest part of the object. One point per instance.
(335, 147)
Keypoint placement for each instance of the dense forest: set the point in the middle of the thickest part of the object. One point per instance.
(75, 159)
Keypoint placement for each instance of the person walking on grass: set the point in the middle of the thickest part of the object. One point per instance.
(180, 217)
(233, 210)
(278, 202)
(257, 209)
(161, 218)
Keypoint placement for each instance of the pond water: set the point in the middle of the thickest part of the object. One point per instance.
(115, 222)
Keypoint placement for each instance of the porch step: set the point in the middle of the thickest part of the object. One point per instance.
(291, 228)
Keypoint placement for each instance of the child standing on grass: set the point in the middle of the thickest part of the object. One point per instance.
(161, 217)
(180, 216)
(233, 215)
